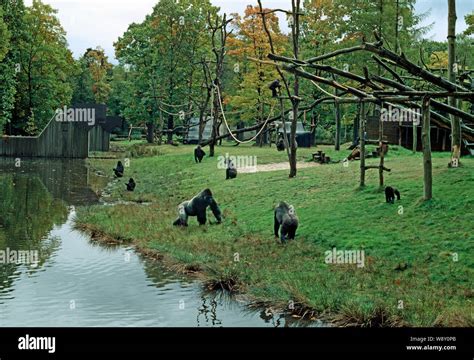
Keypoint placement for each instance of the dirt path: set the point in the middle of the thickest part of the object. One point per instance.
(276, 167)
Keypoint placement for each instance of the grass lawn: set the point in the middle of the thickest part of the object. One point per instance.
(419, 262)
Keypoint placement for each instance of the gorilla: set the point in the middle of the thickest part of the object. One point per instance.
(275, 88)
(390, 193)
(285, 217)
(131, 185)
(231, 171)
(197, 207)
(280, 144)
(119, 170)
(199, 154)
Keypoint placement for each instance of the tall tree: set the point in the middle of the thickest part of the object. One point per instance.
(13, 19)
(455, 123)
(250, 40)
(46, 67)
(163, 52)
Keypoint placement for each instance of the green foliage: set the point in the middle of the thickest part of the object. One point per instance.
(161, 55)
(470, 24)
(4, 36)
(36, 71)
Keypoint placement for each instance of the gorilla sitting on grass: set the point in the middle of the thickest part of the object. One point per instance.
(197, 207)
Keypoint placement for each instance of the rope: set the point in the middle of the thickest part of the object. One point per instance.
(175, 106)
(175, 114)
(325, 92)
(227, 125)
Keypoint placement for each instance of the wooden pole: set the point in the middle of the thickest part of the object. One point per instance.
(427, 165)
(382, 160)
(362, 144)
(415, 136)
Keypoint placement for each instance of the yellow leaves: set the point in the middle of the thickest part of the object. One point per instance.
(439, 60)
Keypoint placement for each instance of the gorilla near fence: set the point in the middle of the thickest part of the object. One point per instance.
(199, 154)
(390, 193)
(285, 217)
(197, 207)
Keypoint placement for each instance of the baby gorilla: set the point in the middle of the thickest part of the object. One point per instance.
(285, 217)
(197, 207)
(131, 185)
(199, 154)
(390, 193)
(231, 171)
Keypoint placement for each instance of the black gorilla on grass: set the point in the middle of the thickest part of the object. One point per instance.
(119, 170)
(390, 193)
(199, 154)
(197, 207)
(285, 217)
(131, 185)
(231, 170)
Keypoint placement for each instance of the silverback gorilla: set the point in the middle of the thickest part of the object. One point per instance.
(285, 217)
(390, 193)
(197, 207)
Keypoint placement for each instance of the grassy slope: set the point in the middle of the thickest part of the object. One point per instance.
(435, 290)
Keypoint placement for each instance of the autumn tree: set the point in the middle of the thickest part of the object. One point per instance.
(92, 80)
(250, 41)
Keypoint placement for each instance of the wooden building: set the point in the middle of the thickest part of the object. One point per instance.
(64, 139)
(395, 132)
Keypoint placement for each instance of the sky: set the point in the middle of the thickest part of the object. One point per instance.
(91, 23)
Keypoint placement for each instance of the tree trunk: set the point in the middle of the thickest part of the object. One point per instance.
(150, 133)
(356, 129)
(427, 166)
(170, 129)
(415, 137)
(160, 129)
(293, 147)
(455, 123)
(337, 114)
(382, 162)
(362, 145)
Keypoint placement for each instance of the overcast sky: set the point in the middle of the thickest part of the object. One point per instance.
(89, 23)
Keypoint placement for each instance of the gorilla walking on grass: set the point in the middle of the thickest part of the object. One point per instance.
(285, 216)
(390, 193)
(197, 207)
(199, 154)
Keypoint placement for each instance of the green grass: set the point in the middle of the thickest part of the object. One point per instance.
(333, 212)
